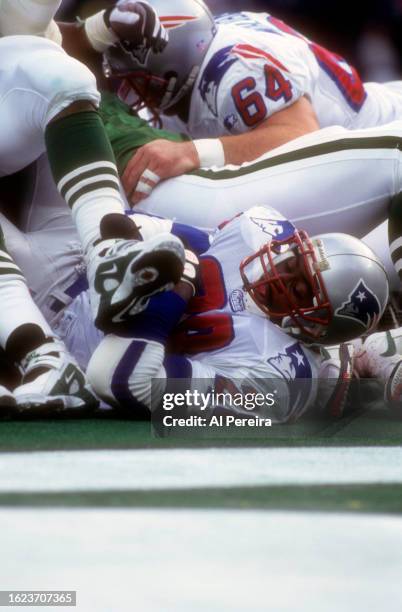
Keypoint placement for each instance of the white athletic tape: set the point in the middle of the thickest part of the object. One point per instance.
(98, 34)
(144, 188)
(210, 152)
(151, 176)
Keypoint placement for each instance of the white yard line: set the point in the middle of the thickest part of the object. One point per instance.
(187, 468)
(212, 561)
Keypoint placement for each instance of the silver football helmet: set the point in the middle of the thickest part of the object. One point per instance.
(347, 286)
(160, 79)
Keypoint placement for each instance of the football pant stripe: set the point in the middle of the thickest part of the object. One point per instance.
(336, 146)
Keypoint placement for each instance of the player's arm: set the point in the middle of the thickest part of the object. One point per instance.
(134, 22)
(166, 159)
(127, 132)
(281, 127)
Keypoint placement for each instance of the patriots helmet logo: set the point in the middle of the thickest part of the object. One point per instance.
(362, 306)
(212, 76)
(293, 365)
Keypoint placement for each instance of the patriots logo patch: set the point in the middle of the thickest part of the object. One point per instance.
(293, 365)
(362, 306)
(212, 76)
(237, 301)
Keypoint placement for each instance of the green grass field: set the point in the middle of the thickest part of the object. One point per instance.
(134, 521)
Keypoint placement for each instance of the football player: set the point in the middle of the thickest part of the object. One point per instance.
(48, 101)
(239, 85)
(50, 377)
(293, 280)
(242, 325)
(331, 180)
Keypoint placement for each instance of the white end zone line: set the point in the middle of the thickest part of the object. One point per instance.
(154, 469)
(205, 560)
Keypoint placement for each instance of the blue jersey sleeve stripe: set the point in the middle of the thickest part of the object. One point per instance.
(195, 239)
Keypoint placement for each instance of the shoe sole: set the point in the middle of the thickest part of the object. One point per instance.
(154, 271)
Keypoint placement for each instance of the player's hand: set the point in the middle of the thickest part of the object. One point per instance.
(157, 160)
(137, 23)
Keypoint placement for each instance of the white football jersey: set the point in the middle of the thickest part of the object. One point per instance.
(257, 65)
(229, 340)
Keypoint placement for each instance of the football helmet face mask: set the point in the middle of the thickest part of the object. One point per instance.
(344, 286)
(158, 80)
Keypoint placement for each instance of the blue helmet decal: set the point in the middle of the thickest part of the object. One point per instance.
(212, 76)
(293, 365)
(362, 306)
(278, 229)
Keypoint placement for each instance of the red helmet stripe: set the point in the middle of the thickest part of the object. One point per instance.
(176, 21)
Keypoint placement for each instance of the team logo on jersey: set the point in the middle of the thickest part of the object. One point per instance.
(237, 301)
(212, 76)
(294, 366)
(171, 23)
(278, 229)
(230, 121)
(362, 306)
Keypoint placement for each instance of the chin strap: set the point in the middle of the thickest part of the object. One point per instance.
(168, 100)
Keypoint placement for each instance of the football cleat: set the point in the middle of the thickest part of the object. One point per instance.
(124, 274)
(58, 386)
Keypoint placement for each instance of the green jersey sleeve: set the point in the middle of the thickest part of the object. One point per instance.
(126, 131)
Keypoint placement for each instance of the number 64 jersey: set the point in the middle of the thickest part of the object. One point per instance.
(257, 65)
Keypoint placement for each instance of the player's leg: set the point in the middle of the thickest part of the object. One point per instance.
(332, 180)
(50, 101)
(50, 376)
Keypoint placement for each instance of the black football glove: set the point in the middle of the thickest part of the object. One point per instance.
(137, 23)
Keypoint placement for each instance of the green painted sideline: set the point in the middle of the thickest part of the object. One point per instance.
(384, 498)
(366, 428)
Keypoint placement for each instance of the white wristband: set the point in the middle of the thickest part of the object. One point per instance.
(98, 34)
(210, 152)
